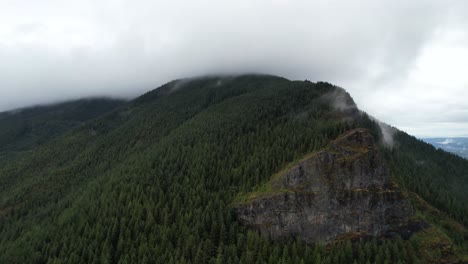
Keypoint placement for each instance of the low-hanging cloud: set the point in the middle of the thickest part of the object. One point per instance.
(388, 134)
(53, 51)
(341, 100)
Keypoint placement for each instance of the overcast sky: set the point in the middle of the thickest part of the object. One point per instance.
(404, 62)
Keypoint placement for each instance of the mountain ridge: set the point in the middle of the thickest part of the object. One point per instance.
(154, 180)
(23, 129)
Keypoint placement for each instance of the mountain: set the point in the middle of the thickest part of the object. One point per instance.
(344, 190)
(24, 129)
(159, 180)
(457, 146)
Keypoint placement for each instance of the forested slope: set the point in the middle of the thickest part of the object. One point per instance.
(24, 129)
(154, 181)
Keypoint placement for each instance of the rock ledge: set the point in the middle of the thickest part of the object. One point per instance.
(344, 190)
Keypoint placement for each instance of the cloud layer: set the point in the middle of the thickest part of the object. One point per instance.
(403, 61)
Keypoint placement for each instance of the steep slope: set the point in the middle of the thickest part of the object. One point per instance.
(24, 129)
(344, 190)
(154, 181)
(439, 177)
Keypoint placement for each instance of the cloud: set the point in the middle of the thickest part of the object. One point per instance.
(341, 100)
(430, 99)
(387, 134)
(395, 57)
(447, 141)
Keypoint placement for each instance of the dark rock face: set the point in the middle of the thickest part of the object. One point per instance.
(342, 191)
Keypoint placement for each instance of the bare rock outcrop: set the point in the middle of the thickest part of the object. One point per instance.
(344, 190)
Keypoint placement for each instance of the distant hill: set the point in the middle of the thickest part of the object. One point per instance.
(456, 145)
(156, 179)
(24, 129)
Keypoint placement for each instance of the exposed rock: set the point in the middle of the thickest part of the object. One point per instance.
(344, 190)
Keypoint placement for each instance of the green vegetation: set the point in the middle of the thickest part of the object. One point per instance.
(154, 180)
(266, 189)
(24, 129)
(437, 176)
(444, 237)
(270, 188)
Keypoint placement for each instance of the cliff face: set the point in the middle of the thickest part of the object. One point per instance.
(342, 191)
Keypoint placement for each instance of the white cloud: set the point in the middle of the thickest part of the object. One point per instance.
(403, 61)
(433, 92)
(446, 141)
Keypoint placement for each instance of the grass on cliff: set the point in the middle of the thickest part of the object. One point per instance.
(267, 189)
(445, 240)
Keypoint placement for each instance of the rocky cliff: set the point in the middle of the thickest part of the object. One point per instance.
(344, 190)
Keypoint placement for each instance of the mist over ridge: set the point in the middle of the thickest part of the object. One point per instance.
(386, 54)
